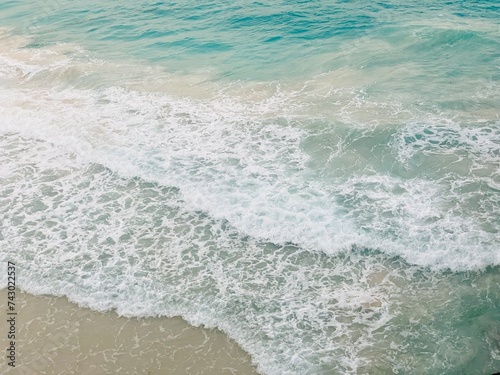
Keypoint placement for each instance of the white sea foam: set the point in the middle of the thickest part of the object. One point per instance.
(242, 159)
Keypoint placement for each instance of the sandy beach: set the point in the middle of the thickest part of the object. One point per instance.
(55, 336)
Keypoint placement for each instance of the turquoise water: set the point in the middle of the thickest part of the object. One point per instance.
(319, 179)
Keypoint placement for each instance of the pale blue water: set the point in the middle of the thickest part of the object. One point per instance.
(318, 179)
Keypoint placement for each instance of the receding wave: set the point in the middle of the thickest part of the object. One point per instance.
(267, 160)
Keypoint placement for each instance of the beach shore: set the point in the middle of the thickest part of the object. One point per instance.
(55, 336)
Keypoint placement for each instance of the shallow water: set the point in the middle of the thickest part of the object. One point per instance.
(320, 180)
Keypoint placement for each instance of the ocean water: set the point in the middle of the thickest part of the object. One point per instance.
(319, 179)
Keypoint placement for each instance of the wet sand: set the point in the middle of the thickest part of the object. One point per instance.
(55, 336)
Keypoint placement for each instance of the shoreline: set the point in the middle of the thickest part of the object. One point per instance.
(56, 336)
